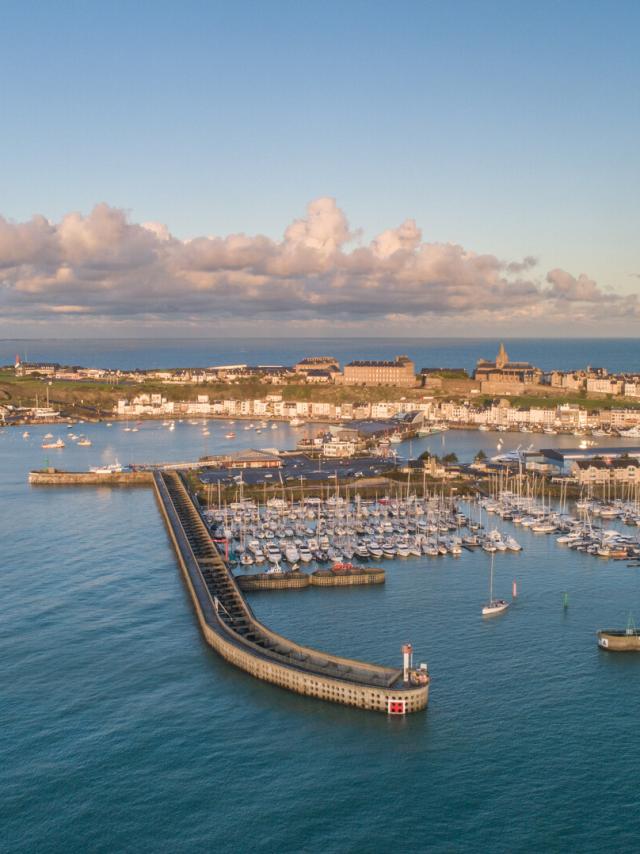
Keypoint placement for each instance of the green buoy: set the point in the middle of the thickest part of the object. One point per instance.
(566, 601)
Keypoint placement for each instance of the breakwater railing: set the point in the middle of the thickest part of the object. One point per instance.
(230, 627)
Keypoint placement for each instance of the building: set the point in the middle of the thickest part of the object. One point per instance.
(564, 459)
(606, 471)
(338, 448)
(604, 385)
(44, 369)
(399, 372)
(317, 363)
(317, 375)
(503, 375)
(250, 459)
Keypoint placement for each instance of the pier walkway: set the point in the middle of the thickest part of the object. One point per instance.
(230, 627)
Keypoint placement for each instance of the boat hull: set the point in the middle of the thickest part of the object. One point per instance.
(494, 608)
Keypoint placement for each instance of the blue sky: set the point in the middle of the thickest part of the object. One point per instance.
(509, 128)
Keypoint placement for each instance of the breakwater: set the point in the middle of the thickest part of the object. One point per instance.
(230, 627)
(54, 477)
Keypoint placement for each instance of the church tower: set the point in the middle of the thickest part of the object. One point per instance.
(502, 359)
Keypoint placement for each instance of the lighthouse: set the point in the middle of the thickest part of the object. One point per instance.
(407, 654)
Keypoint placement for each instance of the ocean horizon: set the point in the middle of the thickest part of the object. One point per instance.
(614, 354)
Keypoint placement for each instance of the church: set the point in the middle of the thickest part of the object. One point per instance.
(504, 375)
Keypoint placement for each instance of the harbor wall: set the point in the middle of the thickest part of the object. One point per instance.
(327, 578)
(53, 477)
(618, 642)
(251, 659)
(274, 581)
(300, 580)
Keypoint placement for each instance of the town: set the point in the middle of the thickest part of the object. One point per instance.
(500, 395)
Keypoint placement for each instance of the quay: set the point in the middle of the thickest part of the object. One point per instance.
(229, 625)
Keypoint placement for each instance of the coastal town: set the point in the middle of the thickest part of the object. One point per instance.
(499, 395)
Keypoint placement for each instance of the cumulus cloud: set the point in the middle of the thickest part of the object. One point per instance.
(102, 265)
(564, 286)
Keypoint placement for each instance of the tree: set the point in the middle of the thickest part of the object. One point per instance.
(480, 457)
(450, 458)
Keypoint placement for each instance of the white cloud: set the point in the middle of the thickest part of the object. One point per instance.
(104, 266)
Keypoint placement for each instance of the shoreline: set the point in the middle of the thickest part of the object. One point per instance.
(346, 423)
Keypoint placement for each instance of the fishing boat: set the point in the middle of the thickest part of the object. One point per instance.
(57, 444)
(112, 468)
(620, 640)
(493, 606)
(25, 435)
(230, 435)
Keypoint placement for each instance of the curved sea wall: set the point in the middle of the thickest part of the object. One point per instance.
(229, 626)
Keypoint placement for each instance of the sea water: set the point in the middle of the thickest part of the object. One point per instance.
(615, 354)
(122, 730)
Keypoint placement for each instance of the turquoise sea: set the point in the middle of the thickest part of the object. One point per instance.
(122, 731)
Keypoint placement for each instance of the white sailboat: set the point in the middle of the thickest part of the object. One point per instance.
(494, 606)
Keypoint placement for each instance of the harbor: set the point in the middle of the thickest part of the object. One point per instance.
(122, 624)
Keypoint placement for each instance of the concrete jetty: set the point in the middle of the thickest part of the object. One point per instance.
(230, 627)
(55, 477)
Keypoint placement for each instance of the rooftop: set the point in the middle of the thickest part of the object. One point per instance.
(562, 454)
(619, 463)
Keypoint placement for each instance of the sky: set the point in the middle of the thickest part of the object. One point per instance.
(344, 168)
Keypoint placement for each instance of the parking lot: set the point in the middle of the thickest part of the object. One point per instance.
(299, 466)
